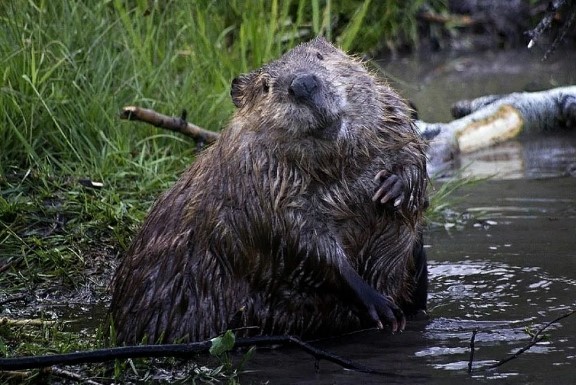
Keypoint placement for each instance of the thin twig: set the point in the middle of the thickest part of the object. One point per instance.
(565, 29)
(318, 354)
(172, 123)
(545, 23)
(471, 359)
(533, 341)
(557, 319)
(6, 266)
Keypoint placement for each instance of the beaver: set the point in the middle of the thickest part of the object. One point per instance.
(304, 218)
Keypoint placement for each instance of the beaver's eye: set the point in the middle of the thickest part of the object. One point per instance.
(265, 86)
(319, 56)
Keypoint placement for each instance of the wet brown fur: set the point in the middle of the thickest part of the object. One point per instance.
(266, 222)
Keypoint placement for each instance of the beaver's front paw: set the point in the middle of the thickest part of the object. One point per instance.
(383, 311)
(390, 191)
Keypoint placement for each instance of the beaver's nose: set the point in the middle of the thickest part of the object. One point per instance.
(304, 86)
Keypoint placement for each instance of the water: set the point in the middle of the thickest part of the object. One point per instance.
(435, 82)
(505, 270)
(510, 270)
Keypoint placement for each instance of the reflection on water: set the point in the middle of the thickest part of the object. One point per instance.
(502, 303)
(553, 155)
(480, 290)
(506, 279)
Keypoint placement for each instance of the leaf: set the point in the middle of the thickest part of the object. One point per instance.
(351, 31)
(246, 357)
(222, 344)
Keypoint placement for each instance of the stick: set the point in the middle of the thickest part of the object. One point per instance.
(6, 266)
(176, 124)
(471, 359)
(535, 339)
(174, 350)
(26, 322)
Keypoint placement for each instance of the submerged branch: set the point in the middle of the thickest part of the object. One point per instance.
(494, 119)
(536, 338)
(472, 341)
(174, 350)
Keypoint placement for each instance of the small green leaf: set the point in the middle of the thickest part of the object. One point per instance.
(247, 357)
(222, 344)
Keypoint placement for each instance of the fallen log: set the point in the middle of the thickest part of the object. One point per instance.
(490, 120)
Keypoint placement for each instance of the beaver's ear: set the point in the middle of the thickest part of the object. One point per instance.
(238, 89)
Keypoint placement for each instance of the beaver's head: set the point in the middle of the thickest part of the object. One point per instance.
(314, 90)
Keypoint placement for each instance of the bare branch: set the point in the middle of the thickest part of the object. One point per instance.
(471, 359)
(172, 123)
(554, 8)
(533, 341)
(494, 119)
(68, 375)
(480, 123)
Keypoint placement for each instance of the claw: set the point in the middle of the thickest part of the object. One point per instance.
(381, 175)
(390, 189)
(384, 311)
(380, 307)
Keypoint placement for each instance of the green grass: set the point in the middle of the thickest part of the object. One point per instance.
(440, 213)
(66, 70)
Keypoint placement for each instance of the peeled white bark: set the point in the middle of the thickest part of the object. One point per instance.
(490, 120)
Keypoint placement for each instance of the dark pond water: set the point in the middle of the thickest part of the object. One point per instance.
(506, 266)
